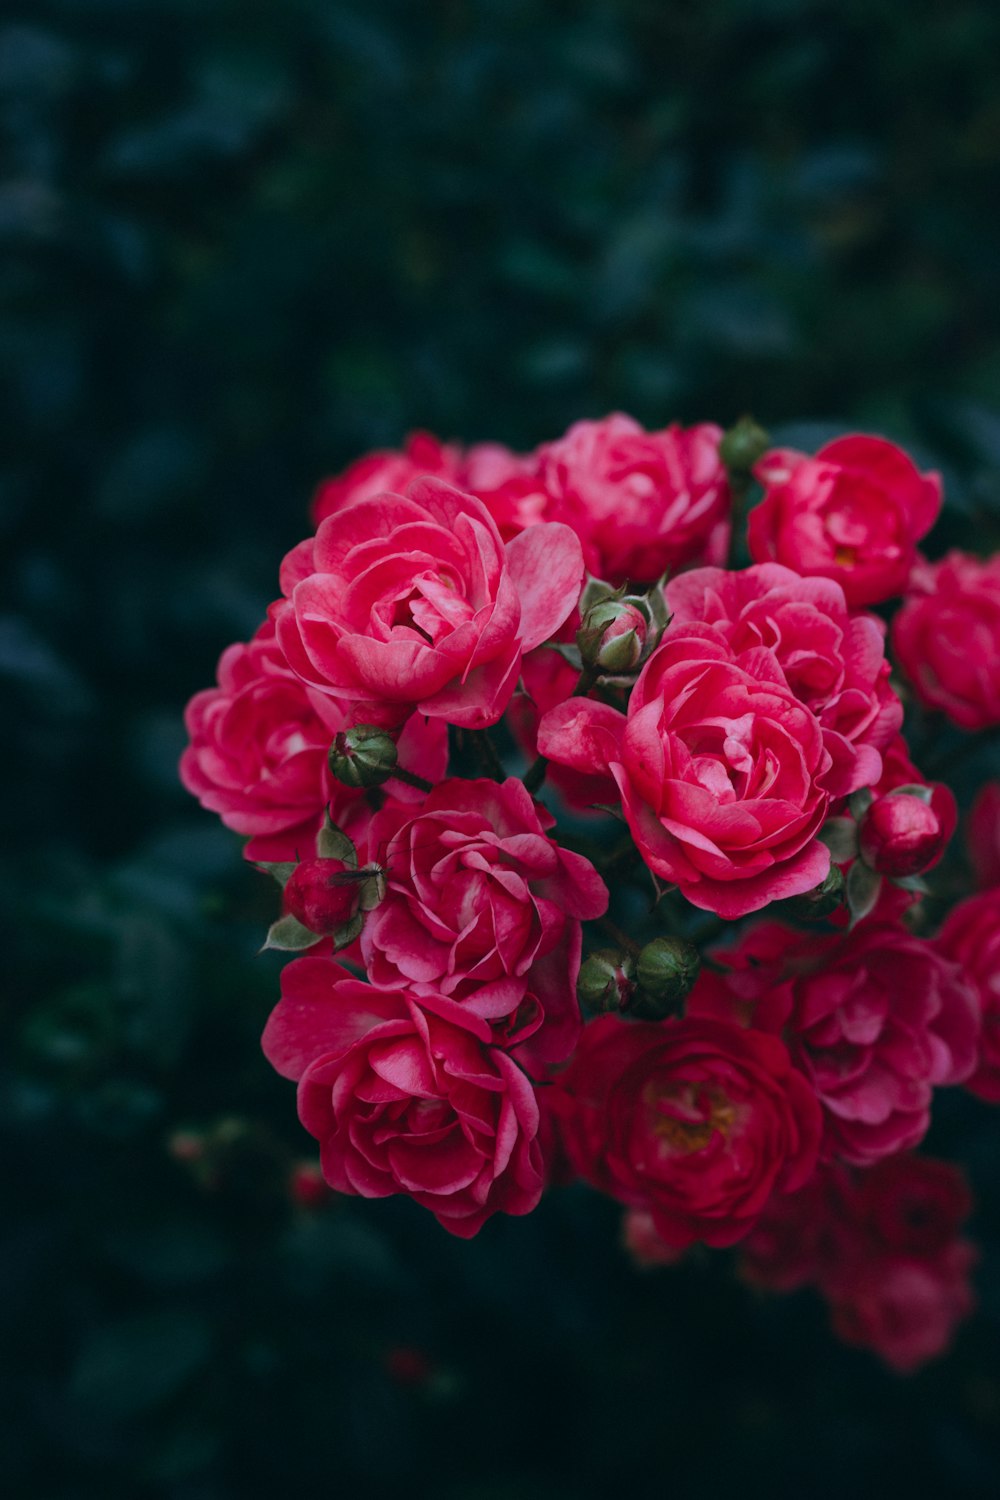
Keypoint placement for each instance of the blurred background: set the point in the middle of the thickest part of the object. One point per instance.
(242, 243)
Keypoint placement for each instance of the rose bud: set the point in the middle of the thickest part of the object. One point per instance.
(666, 970)
(900, 835)
(364, 756)
(605, 981)
(307, 1186)
(612, 636)
(317, 896)
(743, 445)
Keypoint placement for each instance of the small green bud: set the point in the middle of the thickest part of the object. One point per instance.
(743, 445)
(666, 970)
(819, 902)
(605, 982)
(364, 756)
(612, 636)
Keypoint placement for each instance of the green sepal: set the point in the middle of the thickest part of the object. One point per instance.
(860, 801)
(344, 936)
(925, 793)
(281, 871)
(372, 889)
(840, 835)
(288, 935)
(915, 883)
(863, 887)
(332, 843)
(596, 591)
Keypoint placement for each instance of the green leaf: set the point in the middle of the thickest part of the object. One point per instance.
(288, 935)
(914, 883)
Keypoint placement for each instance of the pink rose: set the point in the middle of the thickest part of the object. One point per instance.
(406, 1096)
(386, 470)
(547, 680)
(720, 768)
(983, 834)
(947, 638)
(832, 662)
(258, 753)
(482, 907)
(415, 603)
(970, 938)
(875, 1018)
(696, 1122)
(853, 513)
(896, 1275)
(641, 502)
(901, 835)
(507, 483)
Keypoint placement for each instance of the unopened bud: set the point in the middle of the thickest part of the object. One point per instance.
(665, 970)
(743, 445)
(821, 900)
(364, 756)
(307, 1186)
(605, 982)
(322, 894)
(901, 835)
(612, 636)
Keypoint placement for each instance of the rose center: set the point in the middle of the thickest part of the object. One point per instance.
(686, 1115)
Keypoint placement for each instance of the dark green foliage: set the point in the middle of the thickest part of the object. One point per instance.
(243, 242)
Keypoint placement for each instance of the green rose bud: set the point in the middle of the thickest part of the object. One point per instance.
(364, 756)
(743, 445)
(612, 636)
(665, 970)
(605, 980)
(820, 901)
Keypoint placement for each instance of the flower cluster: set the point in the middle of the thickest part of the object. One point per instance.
(746, 1049)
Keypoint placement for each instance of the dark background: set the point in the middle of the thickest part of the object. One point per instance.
(242, 243)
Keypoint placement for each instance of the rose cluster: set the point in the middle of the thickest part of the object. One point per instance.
(602, 847)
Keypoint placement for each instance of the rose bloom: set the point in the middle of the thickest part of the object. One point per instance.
(875, 1018)
(483, 907)
(386, 470)
(970, 938)
(983, 834)
(406, 1096)
(834, 663)
(947, 638)
(258, 753)
(694, 1121)
(896, 1274)
(507, 483)
(720, 770)
(548, 680)
(641, 502)
(414, 603)
(853, 513)
(785, 1249)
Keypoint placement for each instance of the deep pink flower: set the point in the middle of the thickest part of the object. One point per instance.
(970, 938)
(413, 602)
(853, 513)
(318, 895)
(720, 771)
(983, 834)
(386, 471)
(641, 502)
(406, 1096)
(695, 1121)
(833, 662)
(947, 638)
(258, 753)
(483, 907)
(901, 835)
(875, 1018)
(508, 484)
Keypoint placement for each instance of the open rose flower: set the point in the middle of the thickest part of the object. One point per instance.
(640, 501)
(947, 638)
(483, 907)
(414, 602)
(694, 1121)
(258, 753)
(970, 938)
(875, 1018)
(983, 834)
(386, 470)
(406, 1096)
(853, 513)
(833, 662)
(720, 768)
